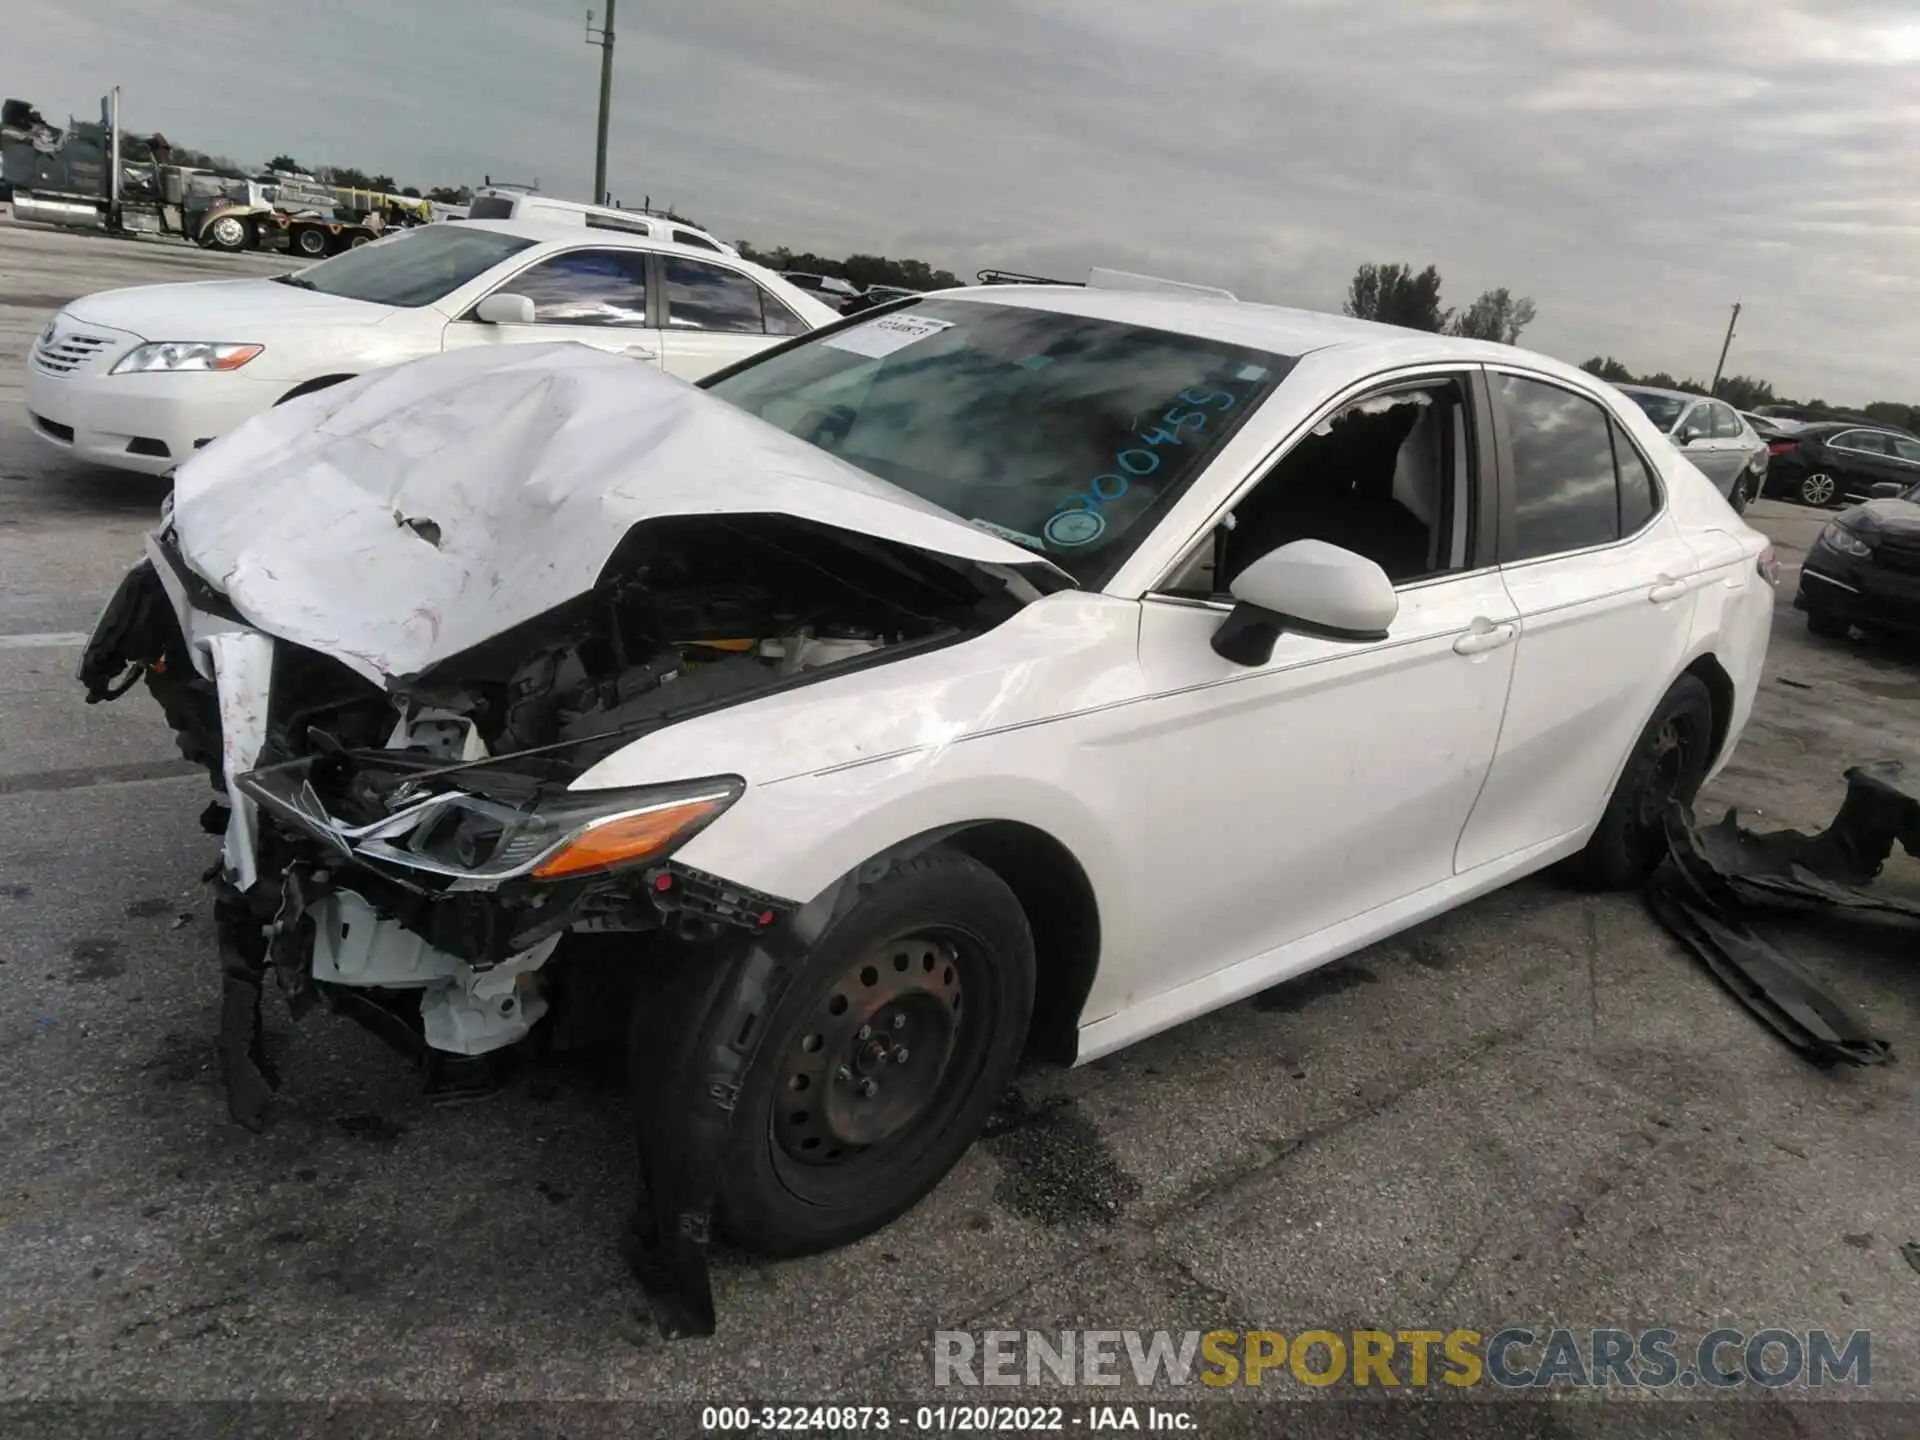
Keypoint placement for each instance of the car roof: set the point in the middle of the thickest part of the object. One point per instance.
(1277, 329)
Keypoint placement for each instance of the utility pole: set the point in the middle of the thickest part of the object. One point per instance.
(1713, 389)
(603, 37)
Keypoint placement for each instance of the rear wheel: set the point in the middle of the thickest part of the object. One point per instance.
(1668, 763)
(882, 1060)
(310, 240)
(1743, 490)
(1818, 488)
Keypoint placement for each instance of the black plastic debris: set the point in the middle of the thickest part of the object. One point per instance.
(1715, 879)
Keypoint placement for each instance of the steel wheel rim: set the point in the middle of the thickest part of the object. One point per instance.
(1817, 489)
(867, 1063)
(229, 231)
(1672, 750)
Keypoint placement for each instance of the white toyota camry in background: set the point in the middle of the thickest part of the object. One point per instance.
(1025, 668)
(141, 378)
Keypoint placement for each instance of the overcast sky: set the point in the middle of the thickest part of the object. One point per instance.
(1634, 165)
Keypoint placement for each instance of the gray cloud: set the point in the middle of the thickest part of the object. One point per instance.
(1635, 165)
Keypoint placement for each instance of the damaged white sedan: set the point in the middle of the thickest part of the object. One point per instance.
(1015, 670)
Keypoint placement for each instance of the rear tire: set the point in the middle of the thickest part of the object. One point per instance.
(1668, 762)
(1828, 626)
(310, 241)
(815, 1158)
(1743, 490)
(1818, 490)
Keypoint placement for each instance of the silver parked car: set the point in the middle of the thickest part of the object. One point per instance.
(1712, 435)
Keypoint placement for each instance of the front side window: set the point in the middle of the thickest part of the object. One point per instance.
(414, 268)
(1064, 434)
(1565, 496)
(1389, 477)
(586, 287)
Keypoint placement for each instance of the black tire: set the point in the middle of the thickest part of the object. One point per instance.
(229, 233)
(1818, 489)
(310, 241)
(1827, 625)
(1742, 492)
(769, 1198)
(1669, 762)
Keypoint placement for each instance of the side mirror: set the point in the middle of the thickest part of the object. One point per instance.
(504, 309)
(1308, 586)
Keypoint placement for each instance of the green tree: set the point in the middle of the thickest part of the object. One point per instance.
(1496, 315)
(1394, 295)
(1608, 369)
(451, 194)
(1746, 392)
(283, 162)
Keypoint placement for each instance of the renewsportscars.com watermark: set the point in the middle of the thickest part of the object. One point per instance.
(1515, 1358)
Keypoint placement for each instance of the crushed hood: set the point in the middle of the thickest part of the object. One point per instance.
(404, 517)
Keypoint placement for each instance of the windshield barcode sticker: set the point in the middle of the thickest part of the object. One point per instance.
(886, 334)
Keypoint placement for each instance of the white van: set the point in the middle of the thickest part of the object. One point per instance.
(494, 203)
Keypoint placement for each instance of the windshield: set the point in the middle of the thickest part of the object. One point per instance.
(1067, 435)
(416, 267)
(1663, 410)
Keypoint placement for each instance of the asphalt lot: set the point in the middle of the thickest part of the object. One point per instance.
(1537, 1110)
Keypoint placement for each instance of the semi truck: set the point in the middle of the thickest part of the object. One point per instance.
(96, 176)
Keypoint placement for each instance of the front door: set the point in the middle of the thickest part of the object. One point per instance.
(597, 297)
(716, 315)
(1335, 777)
(1605, 588)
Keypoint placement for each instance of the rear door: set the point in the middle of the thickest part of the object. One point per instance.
(597, 296)
(1604, 587)
(1863, 459)
(714, 315)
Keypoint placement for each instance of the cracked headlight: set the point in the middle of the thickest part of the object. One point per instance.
(184, 355)
(1838, 537)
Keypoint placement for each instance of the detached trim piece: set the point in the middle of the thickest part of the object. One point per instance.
(1715, 877)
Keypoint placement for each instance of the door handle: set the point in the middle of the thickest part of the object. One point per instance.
(1484, 635)
(1668, 589)
(639, 353)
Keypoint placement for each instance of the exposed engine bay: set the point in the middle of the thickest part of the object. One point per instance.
(413, 854)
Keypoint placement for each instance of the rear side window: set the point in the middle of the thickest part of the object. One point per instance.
(1868, 440)
(490, 207)
(1638, 497)
(1726, 424)
(1565, 494)
(689, 237)
(711, 297)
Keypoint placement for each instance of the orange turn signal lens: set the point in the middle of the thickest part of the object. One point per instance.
(232, 357)
(623, 839)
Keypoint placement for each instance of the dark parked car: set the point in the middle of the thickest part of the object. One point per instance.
(1865, 569)
(1834, 461)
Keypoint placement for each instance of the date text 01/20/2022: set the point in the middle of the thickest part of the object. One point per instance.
(947, 1419)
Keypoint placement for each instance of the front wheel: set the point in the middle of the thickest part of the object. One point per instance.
(882, 1059)
(1669, 762)
(1818, 489)
(228, 233)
